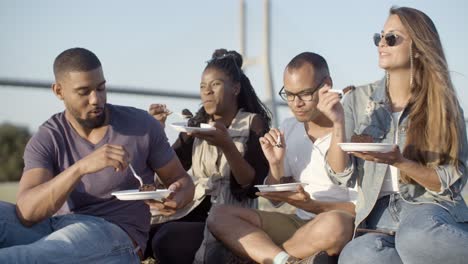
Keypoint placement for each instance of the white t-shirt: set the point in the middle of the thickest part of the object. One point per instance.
(305, 161)
(390, 183)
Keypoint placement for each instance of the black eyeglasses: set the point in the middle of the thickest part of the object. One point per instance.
(305, 95)
(390, 38)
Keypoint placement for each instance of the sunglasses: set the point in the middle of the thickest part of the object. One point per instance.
(390, 38)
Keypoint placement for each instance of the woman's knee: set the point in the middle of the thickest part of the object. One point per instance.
(428, 230)
(177, 241)
(370, 248)
(162, 239)
(421, 223)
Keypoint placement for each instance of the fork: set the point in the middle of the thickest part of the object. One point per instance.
(181, 115)
(135, 174)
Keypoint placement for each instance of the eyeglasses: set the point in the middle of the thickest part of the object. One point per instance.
(390, 38)
(305, 95)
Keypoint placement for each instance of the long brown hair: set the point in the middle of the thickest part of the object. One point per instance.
(434, 121)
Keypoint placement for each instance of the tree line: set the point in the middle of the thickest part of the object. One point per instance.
(13, 140)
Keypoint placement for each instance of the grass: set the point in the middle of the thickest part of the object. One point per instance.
(8, 191)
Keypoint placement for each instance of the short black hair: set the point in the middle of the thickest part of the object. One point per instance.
(75, 59)
(316, 61)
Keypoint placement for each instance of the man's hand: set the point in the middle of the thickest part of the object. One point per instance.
(159, 112)
(41, 193)
(106, 156)
(329, 104)
(299, 198)
(169, 205)
(273, 149)
(179, 182)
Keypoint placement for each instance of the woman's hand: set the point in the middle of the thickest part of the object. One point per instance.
(394, 157)
(159, 112)
(219, 137)
(329, 104)
(273, 149)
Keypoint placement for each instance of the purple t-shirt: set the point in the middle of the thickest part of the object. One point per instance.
(56, 146)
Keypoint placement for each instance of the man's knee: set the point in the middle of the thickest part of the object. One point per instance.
(223, 216)
(217, 214)
(217, 218)
(335, 229)
(336, 222)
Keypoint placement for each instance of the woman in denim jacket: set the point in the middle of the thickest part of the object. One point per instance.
(409, 207)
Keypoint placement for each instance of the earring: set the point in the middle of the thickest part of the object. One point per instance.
(387, 78)
(411, 66)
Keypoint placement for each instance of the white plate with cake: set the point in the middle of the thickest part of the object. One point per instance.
(369, 147)
(133, 195)
(282, 187)
(183, 127)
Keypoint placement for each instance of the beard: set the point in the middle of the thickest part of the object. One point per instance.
(90, 122)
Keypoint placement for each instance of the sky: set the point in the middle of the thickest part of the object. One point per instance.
(163, 45)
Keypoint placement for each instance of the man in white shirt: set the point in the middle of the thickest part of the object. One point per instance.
(323, 222)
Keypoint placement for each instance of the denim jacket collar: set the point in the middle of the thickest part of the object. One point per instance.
(380, 93)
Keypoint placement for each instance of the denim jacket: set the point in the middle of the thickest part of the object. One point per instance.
(367, 111)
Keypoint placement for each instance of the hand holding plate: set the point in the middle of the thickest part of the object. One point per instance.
(392, 158)
(297, 198)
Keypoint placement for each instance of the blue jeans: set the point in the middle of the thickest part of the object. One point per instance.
(69, 238)
(425, 233)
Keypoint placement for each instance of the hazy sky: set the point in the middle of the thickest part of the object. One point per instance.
(164, 44)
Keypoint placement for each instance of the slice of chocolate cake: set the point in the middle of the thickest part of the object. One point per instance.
(287, 179)
(186, 113)
(148, 187)
(362, 138)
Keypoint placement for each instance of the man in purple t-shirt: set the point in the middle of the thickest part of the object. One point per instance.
(65, 211)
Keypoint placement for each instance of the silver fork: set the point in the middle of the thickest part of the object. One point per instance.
(135, 174)
(181, 115)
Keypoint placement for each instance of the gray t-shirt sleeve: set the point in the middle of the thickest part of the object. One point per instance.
(39, 151)
(160, 151)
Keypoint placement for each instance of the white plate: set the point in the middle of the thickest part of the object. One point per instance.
(182, 127)
(283, 187)
(371, 147)
(132, 195)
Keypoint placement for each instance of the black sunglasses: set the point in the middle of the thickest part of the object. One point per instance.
(390, 38)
